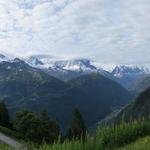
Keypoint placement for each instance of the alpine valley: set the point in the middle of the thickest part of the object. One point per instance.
(46, 82)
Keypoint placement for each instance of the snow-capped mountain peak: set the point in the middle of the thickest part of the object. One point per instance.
(41, 61)
(48, 61)
(67, 69)
(76, 65)
(34, 61)
(3, 58)
(122, 70)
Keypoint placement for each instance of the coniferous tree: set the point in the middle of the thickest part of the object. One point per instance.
(4, 115)
(35, 127)
(49, 129)
(77, 127)
(26, 122)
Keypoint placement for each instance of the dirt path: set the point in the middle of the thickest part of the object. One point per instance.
(9, 141)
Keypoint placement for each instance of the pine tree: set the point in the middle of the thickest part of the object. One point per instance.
(49, 128)
(77, 127)
(27, 123)
(35, 127)
(4, 115)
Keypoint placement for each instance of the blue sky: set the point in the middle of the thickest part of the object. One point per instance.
(110, 31)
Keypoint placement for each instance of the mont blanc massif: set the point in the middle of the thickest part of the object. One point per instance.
(59, 85)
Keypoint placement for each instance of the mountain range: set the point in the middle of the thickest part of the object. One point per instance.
(24, 86)
(45, 82)
(67, 69)
(126, 75)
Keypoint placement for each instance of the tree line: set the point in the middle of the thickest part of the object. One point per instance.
(40, 128)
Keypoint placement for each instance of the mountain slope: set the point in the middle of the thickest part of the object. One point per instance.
(105, 94)
(23, 86)
(17, 72)
(140, 144)
(140, 108)
(141, 84)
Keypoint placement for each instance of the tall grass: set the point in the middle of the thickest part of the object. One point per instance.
(140, 144)
(5, 147)
(120, 135)
(106, 138)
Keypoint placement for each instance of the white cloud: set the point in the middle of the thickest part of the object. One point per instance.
(108, 30)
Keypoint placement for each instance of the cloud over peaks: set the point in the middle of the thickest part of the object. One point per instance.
(110, 31)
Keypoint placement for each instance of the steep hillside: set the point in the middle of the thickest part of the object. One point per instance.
(140, 108)
(18, 80)
(141, 84)
(105, 94)
(22, 86)
(140, 144)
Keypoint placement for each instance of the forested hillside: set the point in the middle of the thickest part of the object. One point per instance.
(22, 86)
